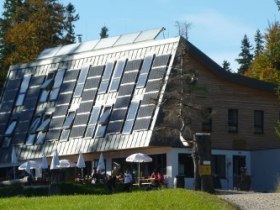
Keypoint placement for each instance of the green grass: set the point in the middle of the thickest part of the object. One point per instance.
(154, 199)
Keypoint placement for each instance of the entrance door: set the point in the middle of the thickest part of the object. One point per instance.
(238, 163)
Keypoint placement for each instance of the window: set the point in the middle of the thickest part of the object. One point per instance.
(93, 121)
(207, 123)
(219, 166)
(11, 128)
(258, 121)
(41, 137)
(232, 120)
(57, 83)
(35, 125)
(6, 142)
(64, 135)
(47, 86)
(81, 81)
(30, 139)
(69, 120)
(23, 90)
(132, 112)
(103, 122)
(144, 72)
(106, 78)
(118, 72)
(45, 123)
(185, 165)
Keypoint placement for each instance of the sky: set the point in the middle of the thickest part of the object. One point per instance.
(217, 26)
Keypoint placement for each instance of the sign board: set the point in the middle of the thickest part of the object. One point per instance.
(204, 170)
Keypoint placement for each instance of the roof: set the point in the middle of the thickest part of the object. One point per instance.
(232, 77)
(88, 99)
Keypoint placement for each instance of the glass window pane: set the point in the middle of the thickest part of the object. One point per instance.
(119, 69)
(11, 128)
(94, 115)
(64, 135)
(127, 128)
(25, 83)
(30, 139)
(20, 99)
(35, 125)
(108, 71)
(90, 131)
(104, 119)
(101, 131)
(142, 80)
(114, 85)
(41, 138)
(69, 120)
(54, 94)
(58, 78)
(44, 96)
(147, 64)
(47, 85)
(44, 125)
(132, 111)
(83, 75)
(103, 87)
(78, 90)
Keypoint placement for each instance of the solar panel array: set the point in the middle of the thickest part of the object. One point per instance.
(64, 103)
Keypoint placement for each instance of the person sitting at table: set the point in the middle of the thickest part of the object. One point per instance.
(157, 178)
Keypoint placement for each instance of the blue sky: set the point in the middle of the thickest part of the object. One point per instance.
(217, 26)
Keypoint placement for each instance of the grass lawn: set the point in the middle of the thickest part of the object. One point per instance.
(155, 199)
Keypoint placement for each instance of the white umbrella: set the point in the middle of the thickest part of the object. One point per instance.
(139, 158)
(101, 164)
(31, 164)
(55, 161)
(81, 161)
(44, 162)
(64, 163)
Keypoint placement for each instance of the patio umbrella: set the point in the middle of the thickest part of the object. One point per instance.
(139, 158)
(55, 161)
(30, 164)
(64, 163)
(44, 162)
(101, 164)
(81, 163)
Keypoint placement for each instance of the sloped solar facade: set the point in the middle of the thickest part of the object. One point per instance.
(94, 100)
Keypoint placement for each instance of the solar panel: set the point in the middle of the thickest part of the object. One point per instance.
(92, 83)
(60, 110)
(56, 122)
(13, 84)
(154, 85)
(67, 87)
(30, 103)
(129, 77)
(64, 99)
(19, 138)
(133, 65)
(149, 98)
(77, 131)
(37, 80)
(81, 119)
(71, 75)
(89, 95)
(23, 115)
(118, 114)
(122, 102)
(22, 126)
(4, 117)
(114, 127)
(142, 124)
(126, 90)
(53, 135)
(161, 60)
(146, 111)
(157, 73)
(85, 107)
(6, 106)
(9, 95)
(33, 92)
(95, 71)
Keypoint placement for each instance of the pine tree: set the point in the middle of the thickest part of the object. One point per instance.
(226, 66)
(259, 43)
(104, 32)
(69, 26)
(245, 57)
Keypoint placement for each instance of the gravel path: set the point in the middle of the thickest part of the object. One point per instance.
(254, 201)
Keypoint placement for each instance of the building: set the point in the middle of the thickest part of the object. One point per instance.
(106, 96)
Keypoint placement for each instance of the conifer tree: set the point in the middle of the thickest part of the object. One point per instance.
(245, 56)
(226, 66)
(258, 43)
(104, 32)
